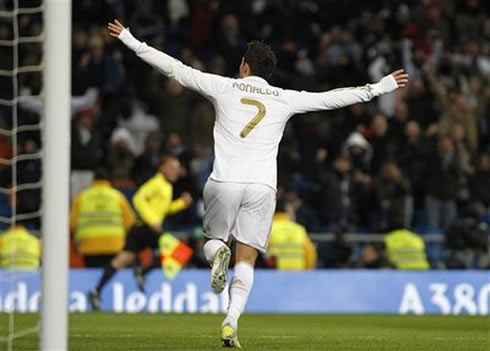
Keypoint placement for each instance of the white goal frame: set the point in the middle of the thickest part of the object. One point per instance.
(56, 168)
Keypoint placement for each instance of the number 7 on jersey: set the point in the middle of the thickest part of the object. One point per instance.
(257, 118)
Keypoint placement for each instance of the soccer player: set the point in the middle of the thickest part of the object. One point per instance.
(239, 195)
(153, 201)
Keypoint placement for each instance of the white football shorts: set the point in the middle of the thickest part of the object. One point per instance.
(239, 209)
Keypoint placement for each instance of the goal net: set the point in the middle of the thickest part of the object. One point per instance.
(28, 141)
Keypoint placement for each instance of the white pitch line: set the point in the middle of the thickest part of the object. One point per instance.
(206, 336)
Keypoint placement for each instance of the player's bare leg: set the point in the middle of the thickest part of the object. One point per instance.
(218, 255)
(239, 290)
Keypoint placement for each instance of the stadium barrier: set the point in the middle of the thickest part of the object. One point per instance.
(321, 291)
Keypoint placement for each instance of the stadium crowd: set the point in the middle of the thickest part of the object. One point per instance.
(416, 159)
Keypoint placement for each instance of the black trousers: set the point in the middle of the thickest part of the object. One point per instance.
(94, 261)
(140, 237)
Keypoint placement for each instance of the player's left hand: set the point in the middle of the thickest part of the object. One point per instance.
(401, 77)
(115, 28)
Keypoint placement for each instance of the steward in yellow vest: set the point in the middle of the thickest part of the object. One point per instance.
(100, 218)
(290, 245)
(406, 250)
(19, 249)
(153, 201)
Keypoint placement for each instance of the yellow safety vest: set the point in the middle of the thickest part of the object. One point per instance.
(287, 243)
(406, 250)
(19, 249)
(100, 226)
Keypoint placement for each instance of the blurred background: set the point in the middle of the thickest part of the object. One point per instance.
(417, 159)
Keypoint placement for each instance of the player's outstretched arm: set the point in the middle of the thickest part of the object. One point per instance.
(207, 84)
(302, 101)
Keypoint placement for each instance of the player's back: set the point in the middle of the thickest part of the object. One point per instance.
(250, 120)
(251, 114)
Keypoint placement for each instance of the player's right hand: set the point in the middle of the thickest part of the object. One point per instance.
(115, 28)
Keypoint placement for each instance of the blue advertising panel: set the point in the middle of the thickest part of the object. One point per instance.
(321, 291)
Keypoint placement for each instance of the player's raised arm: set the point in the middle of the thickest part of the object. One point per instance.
(302, 101)
(204, 83)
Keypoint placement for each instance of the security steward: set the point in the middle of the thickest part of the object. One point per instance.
(100, 218)
(19, 249)
(289, 243)
(153, 202)
(406, 250)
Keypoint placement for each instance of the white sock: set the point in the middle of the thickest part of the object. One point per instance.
(240, 287)
(210, 249)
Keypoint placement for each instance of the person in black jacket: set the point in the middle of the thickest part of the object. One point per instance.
(441, 179)
(467, 240)
(85, 142)
(393, 193)
(480, 183)
(86, 151)
(342, 195)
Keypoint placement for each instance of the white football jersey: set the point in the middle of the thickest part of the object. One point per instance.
(250, 113)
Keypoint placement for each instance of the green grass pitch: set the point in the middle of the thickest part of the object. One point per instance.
(131, 332)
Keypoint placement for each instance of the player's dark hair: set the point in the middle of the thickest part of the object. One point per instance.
(260, 58)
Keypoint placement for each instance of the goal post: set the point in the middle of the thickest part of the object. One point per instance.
(56, 167)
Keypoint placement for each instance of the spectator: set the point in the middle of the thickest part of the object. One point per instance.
(100, 69)
(411, 157)
(340, 195)
(398, 123)
(146, 21)
(442, 171)
(300, 211)
(175, 107)
(78, 103)
(86, 151)
(100, 218)
(455, 110)
(468, 241)
(230, 41)
(146, 164)
(29, 171)
(19, 249)
(201, 125)
(464, 158)
(382, 146)
(5, 154)
(372, 257)
(360, 153)
(175, 145)
(394, 197)
(289, 243)
(120, 159)
(480, 184)
(289, 157)
(356, 119)
(335, 254)
(420, 103)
